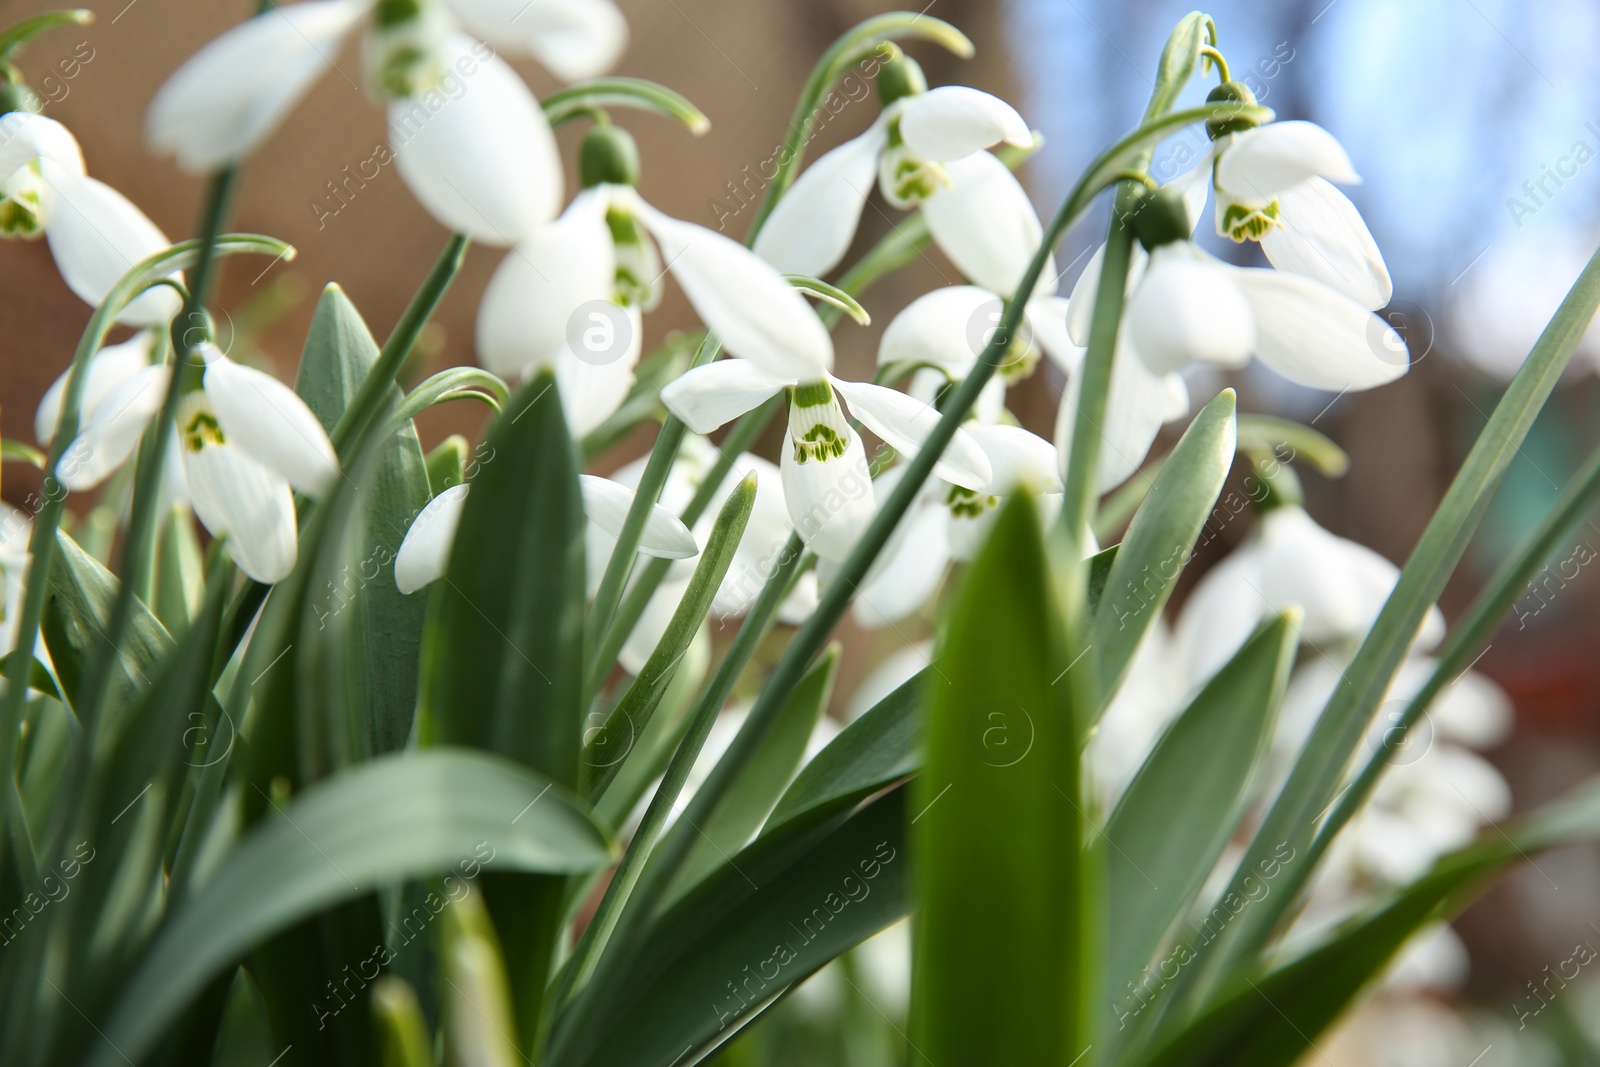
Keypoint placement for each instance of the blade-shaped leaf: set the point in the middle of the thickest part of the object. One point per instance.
(1161, 537)
(728, 948)
(385, 634)
(1180, 811)
(997, 829)
(760, 782)
(876, 750)
(396, 817)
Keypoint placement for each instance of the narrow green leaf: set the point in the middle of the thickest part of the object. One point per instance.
(1182, 808)
(399, 816)
(1161, 537)
(997, 829)
(725, 951)
(447, 463)
(80, 598)
(1178, 59)
(876, 750)
(179, 578)
(1099, 574)
(744, 807)
(383, 633)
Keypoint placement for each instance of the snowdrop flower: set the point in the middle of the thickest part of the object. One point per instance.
(1288, 559)
(949, 522)
(15, 529)
(1275, 184)
(826, 482)
(927, 147)
(246, 442)
(425, 552)
(758, 553)
(467, 135)
(110, 368)
(571, 295)
(95, 233)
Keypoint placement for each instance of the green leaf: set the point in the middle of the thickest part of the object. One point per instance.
(179, 578)
(997, 829)
(1178, 59)
(1182, 808)
(1161, 538)
(399, 816)
(1099, 574)
(81, 594)
(723, 952)
(875, 751)
(744, 807)
(384, 630)
(1269, 1020)
(503, 650)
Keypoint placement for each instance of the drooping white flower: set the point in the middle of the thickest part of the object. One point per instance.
(826, 481)
(1288, 559)
(425, 552)
(95, 233)
(1274, 184)
(109, 368)
(246, 442)
(571, 295)
(927, 147)
(468, 136)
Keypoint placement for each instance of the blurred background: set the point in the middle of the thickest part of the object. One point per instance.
(1475, 123)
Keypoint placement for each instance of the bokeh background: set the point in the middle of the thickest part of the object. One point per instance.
(1475, 123)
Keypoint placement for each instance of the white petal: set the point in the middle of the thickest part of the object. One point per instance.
(268, 421)
(541, 288)
(1018, 458)
(652, 626)
(754, 312)
(111, 367)
(917, 555)
(483, 161)
(765, 536)
(813, 224)
(575, 39)
(1317, 336)
(113, 432)
(953, 121)
(904, 422)
(1080, 305)
(948, 327)
(1259, 164)
(1187, 309)
(607, 505)
(986, 224)
(830, 501)
(425, 553)
(1194, 185)
(229, 96)
(1046, 319)
(1340, 584)
(592, 392)
(247, 502)
(25, 137)
(710, 396)
(97, 235)
(1322, 235)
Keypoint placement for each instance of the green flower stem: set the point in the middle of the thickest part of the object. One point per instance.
(47, 520)
(577, 1026)
(1320, 769)
(663, 454)
(736, 443)
(454, 383)
(13, 38)
(597, 94)
(352, 425)
(1467, 640)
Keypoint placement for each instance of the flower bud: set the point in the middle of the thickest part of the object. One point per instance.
(1159, 217)
(898, 78)
(1235, 92)
(608, 156)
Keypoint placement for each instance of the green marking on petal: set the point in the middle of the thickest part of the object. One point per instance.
(201, 430)
(1245, 223)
